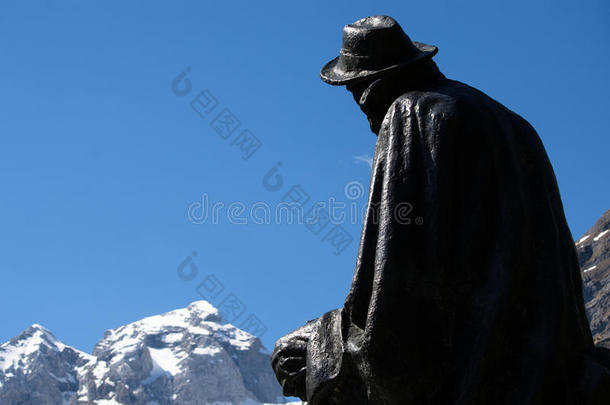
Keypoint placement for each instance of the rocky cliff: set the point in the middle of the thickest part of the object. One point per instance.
(187, 356)
(594, 257)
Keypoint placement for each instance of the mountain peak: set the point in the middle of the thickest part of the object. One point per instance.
(35, 358)
(36, 330)
(175, 353)
(33, 340)
(204, 310)
(598, 232)
(184, 354)
(195, 315)
(41, 335)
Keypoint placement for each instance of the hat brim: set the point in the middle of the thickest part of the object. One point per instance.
(332, 74)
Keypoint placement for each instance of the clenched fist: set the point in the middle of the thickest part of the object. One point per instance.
(289, 360)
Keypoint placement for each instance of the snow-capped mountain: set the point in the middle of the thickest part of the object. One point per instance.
(36, 368)
(187, 356)
(182, 357)
(594, 257)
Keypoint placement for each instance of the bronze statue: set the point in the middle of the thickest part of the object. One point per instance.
(482, 303)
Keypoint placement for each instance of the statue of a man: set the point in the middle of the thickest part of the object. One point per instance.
(479, 303)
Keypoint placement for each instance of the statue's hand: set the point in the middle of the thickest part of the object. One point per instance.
(289, 361)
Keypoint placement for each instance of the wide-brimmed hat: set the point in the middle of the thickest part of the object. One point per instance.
(373, 46)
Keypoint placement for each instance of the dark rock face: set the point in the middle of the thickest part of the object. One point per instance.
(594, 258)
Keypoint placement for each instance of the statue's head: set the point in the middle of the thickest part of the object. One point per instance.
(373, 48)
(366, 93)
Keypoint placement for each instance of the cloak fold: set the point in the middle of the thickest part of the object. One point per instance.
(467, 288)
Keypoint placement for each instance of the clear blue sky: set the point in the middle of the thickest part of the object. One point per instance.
(99, 159)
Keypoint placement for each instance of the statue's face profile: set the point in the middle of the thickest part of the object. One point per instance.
(373, 108)
(358, 88)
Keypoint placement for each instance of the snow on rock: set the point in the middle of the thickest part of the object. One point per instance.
(589, 269)
(19, 349)
(594, 259)
(186, 356)
(601, 235)
(584, 238)
(36, 368)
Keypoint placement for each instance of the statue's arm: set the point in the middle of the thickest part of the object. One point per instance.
(311, 363)
(289, 360)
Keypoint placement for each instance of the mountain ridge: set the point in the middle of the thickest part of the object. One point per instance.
(594, 258)
(184, 356)
(189, 356)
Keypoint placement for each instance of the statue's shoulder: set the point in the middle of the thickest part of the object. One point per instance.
(440, 100)
(451, 99)
(446, 93)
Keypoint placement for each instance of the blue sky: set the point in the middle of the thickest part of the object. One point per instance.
(100, 159)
